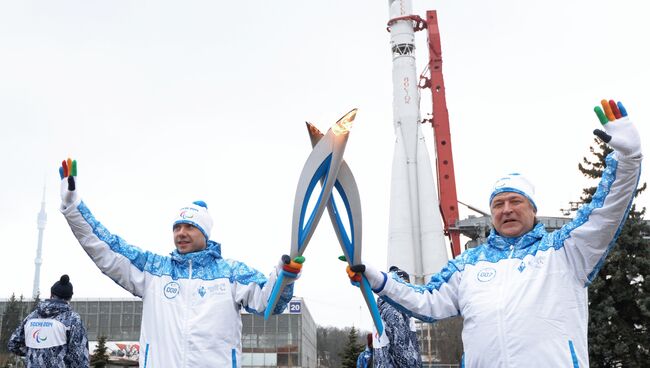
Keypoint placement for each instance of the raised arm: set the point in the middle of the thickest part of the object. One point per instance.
(588, 239)
(122, 262)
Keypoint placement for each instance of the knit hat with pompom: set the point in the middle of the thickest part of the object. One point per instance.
(197, 215)
(62, 288)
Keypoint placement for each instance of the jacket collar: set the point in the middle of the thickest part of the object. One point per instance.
(211, 253)
(52, 307)
(501, 242)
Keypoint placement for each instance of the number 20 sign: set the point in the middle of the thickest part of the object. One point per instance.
(294, 307)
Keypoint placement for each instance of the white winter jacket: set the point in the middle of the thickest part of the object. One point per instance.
(524, 300)
(191, 302)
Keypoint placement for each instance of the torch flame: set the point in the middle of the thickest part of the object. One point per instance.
(313, 130)
(345, 123)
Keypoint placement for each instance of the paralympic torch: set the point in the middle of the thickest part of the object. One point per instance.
(350, 242)
(322, 166)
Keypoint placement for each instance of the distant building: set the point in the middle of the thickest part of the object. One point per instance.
(285, 340)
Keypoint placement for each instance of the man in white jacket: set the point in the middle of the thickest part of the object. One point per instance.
(191, 298)
(523, 294)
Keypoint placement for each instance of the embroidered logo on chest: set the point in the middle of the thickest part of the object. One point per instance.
(218, 289)
(535, 262)
(171, 290)
(486, 274)
(522, 266)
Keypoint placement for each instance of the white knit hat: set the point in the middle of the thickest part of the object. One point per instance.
(515, 183)
(196, 214)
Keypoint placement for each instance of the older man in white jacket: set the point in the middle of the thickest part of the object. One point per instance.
(523, 294)
(191, 298)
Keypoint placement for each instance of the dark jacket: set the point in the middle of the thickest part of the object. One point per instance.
(402, 349)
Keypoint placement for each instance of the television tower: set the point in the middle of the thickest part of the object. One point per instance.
(41, 221)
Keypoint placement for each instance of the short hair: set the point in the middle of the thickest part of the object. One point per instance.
(401, 273)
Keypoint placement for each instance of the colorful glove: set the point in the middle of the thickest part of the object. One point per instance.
(376, 278)
(619, 132)
(292, 267)
(68, 173)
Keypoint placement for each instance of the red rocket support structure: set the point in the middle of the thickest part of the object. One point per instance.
(440, 123)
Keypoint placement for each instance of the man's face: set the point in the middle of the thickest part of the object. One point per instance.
(188, 238)
(512, 214)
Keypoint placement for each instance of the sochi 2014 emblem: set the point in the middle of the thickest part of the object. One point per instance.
(171, 290)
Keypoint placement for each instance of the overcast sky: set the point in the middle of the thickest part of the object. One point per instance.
(166, 102)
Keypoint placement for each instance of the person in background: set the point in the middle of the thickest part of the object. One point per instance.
(365, 359)
(398, 347)
(52, 336)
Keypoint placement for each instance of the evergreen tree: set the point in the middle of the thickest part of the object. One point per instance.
(619, 298)
(10, 321)
(99, 357)
(330, 343)
(36, 300)
(352, 350)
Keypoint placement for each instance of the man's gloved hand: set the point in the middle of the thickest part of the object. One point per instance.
(68, 173)
(619, 132)
(376, 278)
(292, 267)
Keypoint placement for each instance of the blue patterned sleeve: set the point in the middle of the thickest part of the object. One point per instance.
(588, 239)
(436, 300)
(252, 289)
(285, 298)
(122, 262)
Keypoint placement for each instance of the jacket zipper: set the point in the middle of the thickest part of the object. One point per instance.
(501, 307)
(188, 299)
